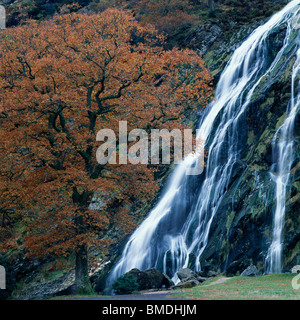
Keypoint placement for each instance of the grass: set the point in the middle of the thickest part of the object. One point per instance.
(267, 287)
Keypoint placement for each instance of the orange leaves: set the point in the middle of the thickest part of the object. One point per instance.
(166, 15)
(61, 81)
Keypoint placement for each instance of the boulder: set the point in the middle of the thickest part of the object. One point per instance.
(150, 279)
(141, 278)
(157, 280)
(185, 274)
(251, 271)
(295, 269)
(167, 281)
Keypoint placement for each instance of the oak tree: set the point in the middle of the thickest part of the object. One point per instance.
(61, 81)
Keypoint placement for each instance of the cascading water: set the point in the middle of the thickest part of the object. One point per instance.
(176, 231)
(280, 172)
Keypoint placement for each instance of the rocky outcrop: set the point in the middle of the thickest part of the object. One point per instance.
(44, 288)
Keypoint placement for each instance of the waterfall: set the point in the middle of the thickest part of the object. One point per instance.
(175, 233)
(280, 172)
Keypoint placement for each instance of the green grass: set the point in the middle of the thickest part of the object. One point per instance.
(268, 287)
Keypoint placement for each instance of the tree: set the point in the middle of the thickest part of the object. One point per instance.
(61, 81)
(211, 5)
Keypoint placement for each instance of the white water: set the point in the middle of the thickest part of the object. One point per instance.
(283, 158)
(176, 231)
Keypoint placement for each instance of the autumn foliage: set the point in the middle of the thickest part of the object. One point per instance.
(61, 81)
(167, 15)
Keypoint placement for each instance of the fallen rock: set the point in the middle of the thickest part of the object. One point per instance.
(167, 281)
(150, 279)
(185, 274)
(251, 271)
(156, 279)
(141, 278)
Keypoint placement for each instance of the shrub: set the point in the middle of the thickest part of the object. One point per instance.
(125, 284)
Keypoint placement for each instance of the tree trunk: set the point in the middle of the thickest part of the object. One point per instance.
(211, 5)
(82, 280)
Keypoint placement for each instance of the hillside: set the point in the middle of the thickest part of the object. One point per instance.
(240, 232)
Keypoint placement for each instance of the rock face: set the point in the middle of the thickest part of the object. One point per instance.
(241, 231)
(251, 271)
(151, 279)
(45, 288)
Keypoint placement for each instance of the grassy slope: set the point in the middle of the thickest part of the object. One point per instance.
(268, 287)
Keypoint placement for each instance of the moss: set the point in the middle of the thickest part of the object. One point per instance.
(280, 121)
(293, 199)
(264, 141)
(229, 220)
(251, 137)
(267, 103)
(293, 253)
(224, 250)
(293, 171)
(267, 232)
